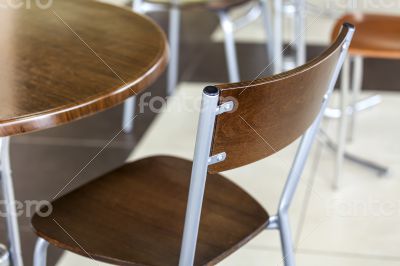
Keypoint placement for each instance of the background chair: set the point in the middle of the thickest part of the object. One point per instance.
(222, 9)
(377, 37)
(135, 215)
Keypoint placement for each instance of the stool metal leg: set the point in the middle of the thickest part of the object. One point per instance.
(299, 26)
(358, 68)
(40, 254)
(129, 104)
(174, 28)
(344, 91)
(286, 240)
(10, 208)
(129, 113)
(278, 38)
(230, 50)
(267, 20)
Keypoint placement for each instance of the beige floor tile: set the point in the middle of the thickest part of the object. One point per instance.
(332, 259)
(363, 215)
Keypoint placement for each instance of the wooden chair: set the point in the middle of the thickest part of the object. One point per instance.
(135, 215)
(222, 8)
(378, 36)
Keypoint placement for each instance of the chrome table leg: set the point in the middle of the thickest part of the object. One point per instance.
(230, 49)
(129, 113)
(278, 37)
(40, 254)
(174, 28)
(10, 208)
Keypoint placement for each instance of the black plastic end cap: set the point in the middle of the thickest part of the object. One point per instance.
(348, 25)
(211, 90)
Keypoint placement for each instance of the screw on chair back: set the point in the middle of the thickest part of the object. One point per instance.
(271, 113)
(241, 123)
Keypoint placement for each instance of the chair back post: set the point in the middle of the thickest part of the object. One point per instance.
(208, 112)
(137, 5)
(308, 138)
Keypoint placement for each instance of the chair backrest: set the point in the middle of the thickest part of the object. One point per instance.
(271, 113)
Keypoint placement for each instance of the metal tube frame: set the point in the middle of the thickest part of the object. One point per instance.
(342, 128)
(299, 26)
(10, 208)
(278, 37)
(230, 50)
(281, 220)
(40, 253)
(209, 108)
(296, 11)
(174, 28)
(358, 67)
(266, 13)
(228, 26)
(130, 103)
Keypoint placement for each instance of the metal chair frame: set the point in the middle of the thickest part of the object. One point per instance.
(350, 105)
(229, 26)
(10, 206)
(202, 159)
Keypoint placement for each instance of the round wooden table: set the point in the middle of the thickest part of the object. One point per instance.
(63, 60)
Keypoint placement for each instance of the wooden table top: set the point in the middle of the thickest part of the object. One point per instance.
(73, 59)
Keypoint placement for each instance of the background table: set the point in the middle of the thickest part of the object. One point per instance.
(65, 61)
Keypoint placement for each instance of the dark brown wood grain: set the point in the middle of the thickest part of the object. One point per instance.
(73, 59)
(272, 112)
(376, 36)
(135, 214)
(209, 4)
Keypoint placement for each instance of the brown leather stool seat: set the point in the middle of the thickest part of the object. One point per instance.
(376, 36)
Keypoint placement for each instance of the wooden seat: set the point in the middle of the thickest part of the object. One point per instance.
(135, 214)
(213, 4)
(376, 36)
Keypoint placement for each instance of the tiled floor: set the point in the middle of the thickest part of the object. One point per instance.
(44, 162)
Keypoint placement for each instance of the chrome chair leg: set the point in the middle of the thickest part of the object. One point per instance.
(174, 28)
(40, 253)
(344, 91)
(358, 68)
(129, 113)
(300, 41)
(267, 20)
(278, 38)
(230, 49)
(10, 208)
(286, 240)
(129, 104)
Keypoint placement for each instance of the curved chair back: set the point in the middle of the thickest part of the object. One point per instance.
(271, 113)
(241, 123)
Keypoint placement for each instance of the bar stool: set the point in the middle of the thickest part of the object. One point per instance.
(378, 36)
(151, 212)
(222, 9)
